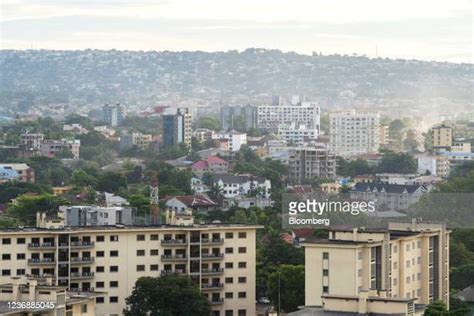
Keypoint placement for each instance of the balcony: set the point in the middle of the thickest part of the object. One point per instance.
(212, 271)
(81, 276)
(210, 286)
(82, 244)
(212, 256)
(44, 261)
(40, 276)
(169, 272)
(82, 260)
(177, 257)
(45, 245)
(215, 241)
(85, 290)
(174, 242)
(219, 301)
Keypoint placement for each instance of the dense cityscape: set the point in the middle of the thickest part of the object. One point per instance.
(236, 158)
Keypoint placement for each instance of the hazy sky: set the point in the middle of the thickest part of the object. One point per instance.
(422, 29)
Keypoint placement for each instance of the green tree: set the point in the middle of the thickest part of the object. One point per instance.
(170, 295)
(209, 122)
(111, 182)
(65, 153)
(457, 307)
(286, 287)
(81, 178)
(462, 277)
(397, 163)
(437, 308)
(26, 206)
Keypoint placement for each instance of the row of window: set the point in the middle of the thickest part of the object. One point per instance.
(115, 238)
(19, 256)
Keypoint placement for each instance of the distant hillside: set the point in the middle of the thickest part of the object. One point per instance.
(143, 78)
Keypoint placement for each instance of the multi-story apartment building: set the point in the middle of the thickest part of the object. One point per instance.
(442, 137)
(296, 135)
(23, 172)
(407, 261)
(232, 117)
(234, 140)
(31, 141)
(113, 114)
(384, 135)
(177, 128)
(140, 140)
(437, 165)
(270, 117)
(354, 132)
(219, 258)
(311, 162)
(50, 148)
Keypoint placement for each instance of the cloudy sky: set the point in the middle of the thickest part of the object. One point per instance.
(421, 29)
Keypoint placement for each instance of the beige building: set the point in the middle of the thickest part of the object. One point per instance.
(409, 261)
(49, 300)
(384, 135)
(219, 258)
(354, 132)
(25, 172)
(442, 137)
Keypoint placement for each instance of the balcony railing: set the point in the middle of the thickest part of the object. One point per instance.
(214, 241)
(82, 244)
(80, 260)
(41, 261)
(176, 257)
(83, 275)
(176, 271)
(212, 256)
(218, 301)
(45, 245)
(211, 286)
(40, 276)
(77, 290)
(212, 271)
(174, 242)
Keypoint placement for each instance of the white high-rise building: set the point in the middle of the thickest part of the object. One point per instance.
(354, 132)
(271, 117)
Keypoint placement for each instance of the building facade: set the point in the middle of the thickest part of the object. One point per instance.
(177, 128)
(31, 141)
(50, 148)
(442, 137)
(232, 117)
(354, 132)
(311, 162)
(21, 172)
(234, 140)
(113, 114)
(270, 117)
(219, 258)
(140, 140)
(296, 135)
(406, 261)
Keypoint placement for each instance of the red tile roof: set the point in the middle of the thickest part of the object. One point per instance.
(303, 232)
(215, 159)
(200, 164)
